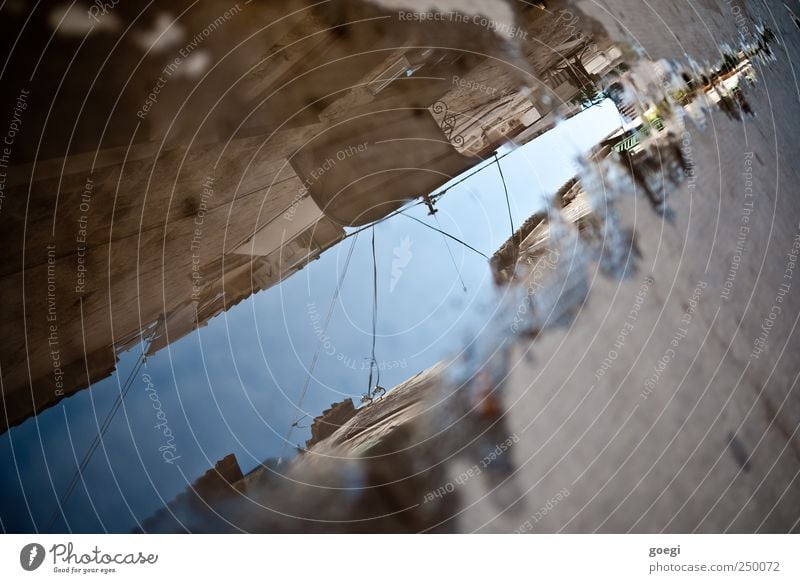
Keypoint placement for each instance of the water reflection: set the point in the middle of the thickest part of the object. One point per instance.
(146, 315)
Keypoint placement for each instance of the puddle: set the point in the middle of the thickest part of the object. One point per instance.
(330, 269)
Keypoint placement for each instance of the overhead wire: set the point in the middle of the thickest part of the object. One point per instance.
(508, 201)
(452, 258)
(435, 196)
(439, 193)
(320, 343)
(99, 437)
(373, 364)
(446, 234)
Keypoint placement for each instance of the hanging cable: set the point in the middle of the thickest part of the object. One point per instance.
(312, 366)
(446, 234)
(297, 423)
(99, 437)
(433, 197)
(439, 193)
(508, 201)
(452, 258)
(373, 364)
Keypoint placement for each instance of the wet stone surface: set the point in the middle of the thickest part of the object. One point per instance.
(353, 233)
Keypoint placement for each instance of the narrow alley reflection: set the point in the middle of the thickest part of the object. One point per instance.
(298, 303)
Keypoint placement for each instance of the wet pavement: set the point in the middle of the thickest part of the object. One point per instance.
(601, 342)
